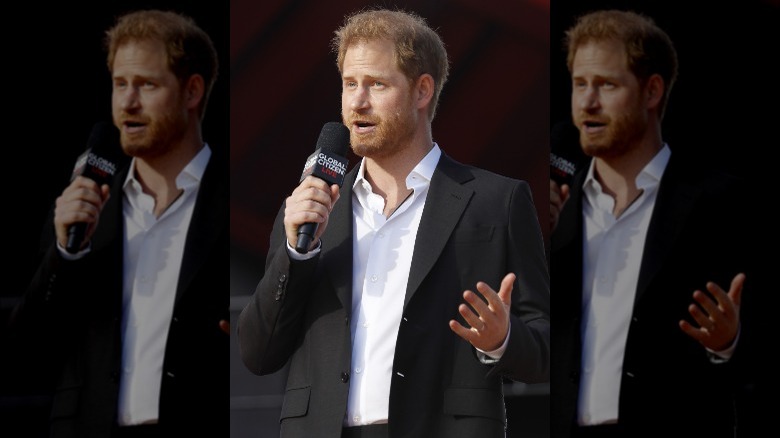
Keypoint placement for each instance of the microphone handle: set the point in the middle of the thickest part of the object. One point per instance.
(305, 236)
(76, 234)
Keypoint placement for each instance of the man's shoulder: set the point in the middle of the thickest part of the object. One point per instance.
(476, 175)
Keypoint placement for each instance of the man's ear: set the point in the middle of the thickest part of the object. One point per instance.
(194, 91)
(423, 90)
(654, 92)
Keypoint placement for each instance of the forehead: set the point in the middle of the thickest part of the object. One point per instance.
(140, 55)
(374, 55)
(601, 58)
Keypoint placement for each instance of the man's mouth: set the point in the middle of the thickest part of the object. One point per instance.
(363, 127)
(593, 126)
(133, 126)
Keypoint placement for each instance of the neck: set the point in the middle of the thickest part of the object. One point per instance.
(158, 174)
(617, 175)
(387, 174)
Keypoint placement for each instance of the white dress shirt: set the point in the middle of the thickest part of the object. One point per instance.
(612, 256)
(153, 252)
(382, 258)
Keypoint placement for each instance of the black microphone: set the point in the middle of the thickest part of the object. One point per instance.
(566, 156)
(100, 162)
(327, 163)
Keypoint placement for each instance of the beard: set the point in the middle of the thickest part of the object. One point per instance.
(390, 135)
(157, 138)
(621, 133)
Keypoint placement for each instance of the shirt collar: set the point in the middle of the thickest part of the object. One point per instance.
(650, 175)
(190, 176)
(421, 174)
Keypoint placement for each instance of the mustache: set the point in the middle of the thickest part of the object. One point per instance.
(135, 118)
(352, 117)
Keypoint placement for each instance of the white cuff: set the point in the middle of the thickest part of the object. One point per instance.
(491, 357)
(68, 256)
(295, 255)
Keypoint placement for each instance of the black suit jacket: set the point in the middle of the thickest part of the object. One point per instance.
(74, 309)
(668, 382)
(475, 226)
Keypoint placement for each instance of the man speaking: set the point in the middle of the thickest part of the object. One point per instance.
(425, 283)
(133, 306)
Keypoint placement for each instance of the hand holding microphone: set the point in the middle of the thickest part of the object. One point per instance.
(308, 208)
(78, 208)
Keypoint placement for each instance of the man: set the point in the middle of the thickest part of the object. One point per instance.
(137, 317)
(368, 317)
(648, 253)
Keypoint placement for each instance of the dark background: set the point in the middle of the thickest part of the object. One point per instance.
(724, 103)
(56, 87)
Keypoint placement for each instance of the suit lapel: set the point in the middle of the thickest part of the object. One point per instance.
(567, 253)
(337, 243)
(672, 207)
(209, 219)
(447, 199)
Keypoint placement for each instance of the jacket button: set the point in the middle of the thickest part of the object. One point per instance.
(345, 377)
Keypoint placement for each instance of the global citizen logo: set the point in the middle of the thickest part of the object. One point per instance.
(100, 165)
(321, 165)
(562, 165)
(331, 166)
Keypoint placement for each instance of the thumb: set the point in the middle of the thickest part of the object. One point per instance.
(735, 293)
(507, 284)
(564, 192)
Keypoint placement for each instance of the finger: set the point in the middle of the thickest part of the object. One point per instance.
(106, 192)
(565, 192)
(699, 316)
(708, 304)
(335, 194)
(735, 291)
(479, 306)
(463, 332)
(692, 331)
(470, 317)
(77, 193)
(501, 298)
(507, 285)
(304, 196)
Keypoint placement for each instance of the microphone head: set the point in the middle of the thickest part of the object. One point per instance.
(104, 155)
(334, 138)
(104, 137)
(328, 161)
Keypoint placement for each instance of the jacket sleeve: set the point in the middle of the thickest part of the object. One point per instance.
(270, 325)
(527, 356)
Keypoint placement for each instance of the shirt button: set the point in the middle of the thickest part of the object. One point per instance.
(365, 325)
(356, 418)
(373, 278)
(358, 370)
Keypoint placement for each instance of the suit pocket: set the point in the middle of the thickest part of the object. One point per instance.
(474, 402)
(296, 402)
(472, 234)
